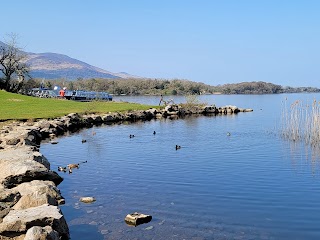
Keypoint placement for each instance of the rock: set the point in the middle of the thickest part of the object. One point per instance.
(8, 198)
(37, 193)
(136, 219)
(18, 171)
(24, 153)
(87, 199)
(159, 115)
(41, 233)
(19, 221)
(108, 118)
(13, 141)
(14, 237)
(210, 109)
(3, 213)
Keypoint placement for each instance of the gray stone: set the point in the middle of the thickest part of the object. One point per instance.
(19, 221)
(14, 172)
(13, 141)
(24, 153)
(87, 199)
(8, 198)
(37, 193)
(41, 233)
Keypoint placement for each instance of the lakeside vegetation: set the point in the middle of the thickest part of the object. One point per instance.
(20, 107)
(138, 86)
(301, 121)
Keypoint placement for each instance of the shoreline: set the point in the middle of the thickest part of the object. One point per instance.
(29, 197)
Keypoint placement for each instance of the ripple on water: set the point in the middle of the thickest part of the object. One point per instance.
(242, 186)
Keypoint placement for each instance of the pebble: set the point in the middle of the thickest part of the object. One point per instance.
(149, 228)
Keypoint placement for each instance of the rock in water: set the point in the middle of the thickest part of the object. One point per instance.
(135, 219)
(87, 199)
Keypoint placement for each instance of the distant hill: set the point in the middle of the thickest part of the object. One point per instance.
(56, 66)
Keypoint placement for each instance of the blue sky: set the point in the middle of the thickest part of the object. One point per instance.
(214, 42)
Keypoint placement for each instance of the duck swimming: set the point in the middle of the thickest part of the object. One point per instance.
(73, 165)
(178, 147)
(62, 169)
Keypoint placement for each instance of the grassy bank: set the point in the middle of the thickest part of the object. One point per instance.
(20, 107)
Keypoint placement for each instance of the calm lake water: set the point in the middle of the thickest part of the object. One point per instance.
(250, 185)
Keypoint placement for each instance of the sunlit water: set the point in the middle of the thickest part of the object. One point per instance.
(249, 185)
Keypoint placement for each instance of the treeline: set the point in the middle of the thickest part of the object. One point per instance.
(134, 86)
(167, 87)
(261, 88)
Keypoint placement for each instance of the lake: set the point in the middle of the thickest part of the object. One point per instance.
(251, 184)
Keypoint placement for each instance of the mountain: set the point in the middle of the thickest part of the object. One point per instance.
(55, 66)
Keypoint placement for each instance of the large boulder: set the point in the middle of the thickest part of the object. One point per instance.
(24, 153)
(20, 221)
(17, 171)
(37, 193)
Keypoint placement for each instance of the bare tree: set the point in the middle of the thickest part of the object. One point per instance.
(12, 65)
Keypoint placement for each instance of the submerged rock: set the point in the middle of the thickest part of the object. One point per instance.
(87, 199)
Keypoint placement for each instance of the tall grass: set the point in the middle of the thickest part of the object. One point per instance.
(301, 121)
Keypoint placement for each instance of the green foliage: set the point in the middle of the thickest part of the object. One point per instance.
(192, 103)
(18, 107)
(141, 86)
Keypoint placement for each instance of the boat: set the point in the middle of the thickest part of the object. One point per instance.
(76, 95)
(86, 96)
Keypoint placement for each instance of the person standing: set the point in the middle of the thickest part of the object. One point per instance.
(62, 92)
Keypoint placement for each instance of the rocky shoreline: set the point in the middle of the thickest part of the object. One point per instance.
(29, 197)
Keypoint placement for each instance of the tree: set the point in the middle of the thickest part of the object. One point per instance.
(12, 66)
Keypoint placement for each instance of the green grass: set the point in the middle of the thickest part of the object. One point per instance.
(20, 107)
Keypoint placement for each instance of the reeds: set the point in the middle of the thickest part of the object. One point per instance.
(301, 122)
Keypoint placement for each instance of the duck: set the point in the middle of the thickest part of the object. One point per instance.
(228, 134)
(83, 140)
(154, 132)
(73, 165)
(131, 136)
(178, 147)
(62, 169)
